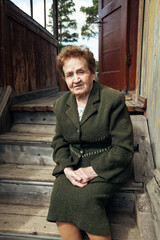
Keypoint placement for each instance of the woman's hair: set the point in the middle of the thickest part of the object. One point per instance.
(78, 52)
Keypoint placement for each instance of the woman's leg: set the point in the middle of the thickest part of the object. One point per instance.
(69, 231)
(95, 237)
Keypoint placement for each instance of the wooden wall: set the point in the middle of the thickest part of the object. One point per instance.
(149, 84)
(150, 72)
(28, 52)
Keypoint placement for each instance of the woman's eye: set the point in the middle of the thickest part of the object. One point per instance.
(80, 72)
(69, 75)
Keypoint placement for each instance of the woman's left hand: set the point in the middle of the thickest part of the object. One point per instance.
(86, 174)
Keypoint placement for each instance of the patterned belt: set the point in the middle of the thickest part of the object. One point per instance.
(82, 153)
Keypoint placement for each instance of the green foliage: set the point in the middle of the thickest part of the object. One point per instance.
(65, 24)
(90, 28)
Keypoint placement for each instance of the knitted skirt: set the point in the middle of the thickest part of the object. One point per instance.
(85, 207)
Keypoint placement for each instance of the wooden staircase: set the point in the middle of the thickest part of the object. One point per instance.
(26, 179)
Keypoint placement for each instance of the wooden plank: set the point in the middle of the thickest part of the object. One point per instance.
(153, 188)
(46, 104)
(31, 219)
(27, 193)
(26, 172)
(143, 159)
(40, 104)
(37, 94)
(33, 68)
(142, 101)
(157, 176)
(145, 217)
(26, 154)
(22, 236)
(27, 224)
(33, 128)
(5, 118)
(14, 138)
(122, 202)
(124, 227)
(34, 117)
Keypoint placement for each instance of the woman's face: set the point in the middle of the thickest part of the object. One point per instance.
(78, 77)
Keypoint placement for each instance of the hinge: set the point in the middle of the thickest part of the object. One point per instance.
(129, 60)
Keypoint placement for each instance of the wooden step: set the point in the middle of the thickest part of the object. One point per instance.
(33, 128)
(20, 220)
(27, 144)
(16, 137)
(29, 220)
(24, 184)
(44, 104)
(36, 117)
(38, 153)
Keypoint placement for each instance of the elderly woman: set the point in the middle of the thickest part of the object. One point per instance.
(93, 148)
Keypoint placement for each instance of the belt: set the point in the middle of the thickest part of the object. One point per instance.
(86, 153)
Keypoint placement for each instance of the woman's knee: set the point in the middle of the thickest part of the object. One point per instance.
(69, 231)
(96, 237)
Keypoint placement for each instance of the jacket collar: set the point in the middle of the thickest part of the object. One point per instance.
(90, 109)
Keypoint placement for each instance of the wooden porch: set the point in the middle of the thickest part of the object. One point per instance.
(26, 175)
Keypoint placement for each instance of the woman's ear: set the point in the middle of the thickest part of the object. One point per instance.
(93, 76)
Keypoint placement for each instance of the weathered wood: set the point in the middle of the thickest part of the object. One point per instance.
(25, 192)
(26, 172)
(33, 128)
(44, 174)
(14, 138)
(40, 104)
(142, 101)
(22, 236)
(38, 154)
(27, 223)
(37, 94)
(145, 217)
(46, 104)
(5, 117)
(143, 159)
(123, 226)
(30, 52)
(32, 219)
(34, 117)
(153, 188)
(122, 202)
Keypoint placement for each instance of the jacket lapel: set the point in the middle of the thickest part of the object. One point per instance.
(91, 108)
(72, 112)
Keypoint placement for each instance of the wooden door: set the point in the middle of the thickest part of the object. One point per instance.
(113, 48)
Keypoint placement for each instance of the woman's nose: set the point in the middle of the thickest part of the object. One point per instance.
(76, 78)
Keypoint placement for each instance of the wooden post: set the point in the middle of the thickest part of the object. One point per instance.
(2, 45)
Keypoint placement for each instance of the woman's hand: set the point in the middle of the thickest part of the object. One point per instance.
(86, 174)
(74, 178)
(80, 177)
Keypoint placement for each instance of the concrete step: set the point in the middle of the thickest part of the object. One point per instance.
(29, 222)
(32, 185)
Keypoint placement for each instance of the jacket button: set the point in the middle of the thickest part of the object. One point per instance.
(78, 130)
(81, 152)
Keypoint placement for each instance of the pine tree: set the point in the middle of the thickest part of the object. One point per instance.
(65, 24)
(90, 28)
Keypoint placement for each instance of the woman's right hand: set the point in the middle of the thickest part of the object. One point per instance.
(74, 178)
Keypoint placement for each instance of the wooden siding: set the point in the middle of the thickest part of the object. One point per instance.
(149, 87)
(30, 52)
(150, 72)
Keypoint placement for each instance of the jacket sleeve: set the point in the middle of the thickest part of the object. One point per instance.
(61, 154)
(117, 162)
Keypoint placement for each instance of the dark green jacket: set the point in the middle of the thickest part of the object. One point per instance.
(103, 138)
